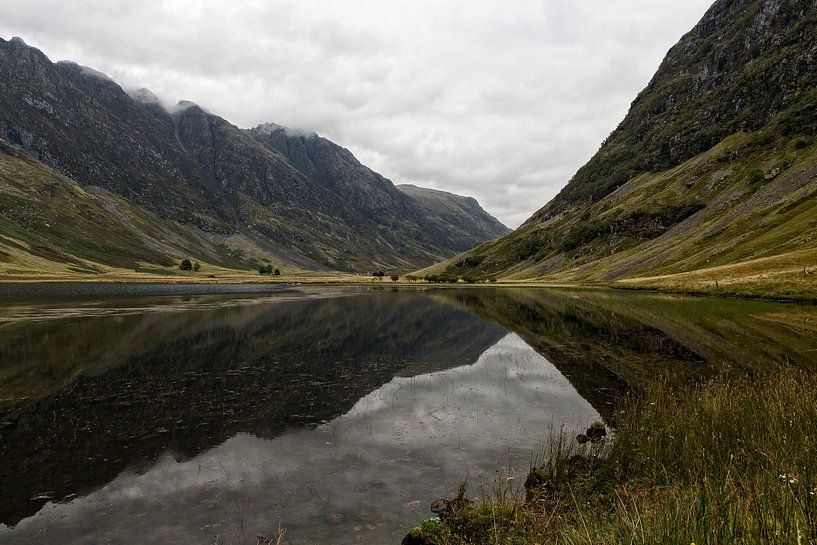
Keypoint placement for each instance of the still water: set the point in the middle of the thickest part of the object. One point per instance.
(194, 416)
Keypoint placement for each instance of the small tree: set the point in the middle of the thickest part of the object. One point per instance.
(394, 278)
(186, 265)
(265, 268)
(276, 272)
(196, 266)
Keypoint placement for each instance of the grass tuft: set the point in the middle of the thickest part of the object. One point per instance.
(729, 461)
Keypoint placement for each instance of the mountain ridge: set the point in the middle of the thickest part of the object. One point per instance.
(194, 169)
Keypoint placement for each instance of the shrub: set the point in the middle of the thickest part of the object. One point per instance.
(755, 177)
(801, 143)
(186, 265)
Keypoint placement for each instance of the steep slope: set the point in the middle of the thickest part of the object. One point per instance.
(464, 214)
(444, 219)
(713, 165)
(193, 169)
(51, 226)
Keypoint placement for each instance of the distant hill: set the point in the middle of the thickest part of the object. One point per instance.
(464, 214)
(447, 219)
(199, 186)
(713, 169)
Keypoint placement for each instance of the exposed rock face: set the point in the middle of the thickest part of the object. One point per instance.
(711, 166)
(742, 64)
(309, 201)
(464, 214)
(439, 215)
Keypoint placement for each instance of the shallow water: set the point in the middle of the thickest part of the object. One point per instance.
(338, 414)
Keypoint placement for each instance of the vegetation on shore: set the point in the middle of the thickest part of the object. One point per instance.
(729, 461)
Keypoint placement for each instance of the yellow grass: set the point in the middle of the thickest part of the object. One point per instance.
(792, 275)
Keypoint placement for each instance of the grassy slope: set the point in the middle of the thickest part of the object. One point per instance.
(680, 185)
(755, 236)
(53, 229)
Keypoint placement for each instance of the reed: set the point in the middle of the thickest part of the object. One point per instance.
(733, 460)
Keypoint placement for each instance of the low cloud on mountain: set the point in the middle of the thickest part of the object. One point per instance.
(500, 101)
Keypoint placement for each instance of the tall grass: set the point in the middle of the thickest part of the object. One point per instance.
(729, 461)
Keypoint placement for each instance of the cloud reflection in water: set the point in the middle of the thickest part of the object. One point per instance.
(364, 477)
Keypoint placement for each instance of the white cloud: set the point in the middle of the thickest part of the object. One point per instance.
(502, 101)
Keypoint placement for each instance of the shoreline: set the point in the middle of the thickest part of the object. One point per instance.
(736, 469)
(352, 280)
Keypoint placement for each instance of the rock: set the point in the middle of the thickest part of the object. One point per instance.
(773, 174)
(440, 506)
(334, 518)
(596, 431)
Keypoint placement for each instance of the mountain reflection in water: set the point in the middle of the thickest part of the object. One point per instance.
(338, 414)
(365, 474)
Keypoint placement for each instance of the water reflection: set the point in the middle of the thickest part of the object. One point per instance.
(360, 478)
(605, 341)
(338, 414)
(116, 393)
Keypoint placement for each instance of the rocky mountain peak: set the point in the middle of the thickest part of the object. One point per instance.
(279, 192)
(84, 70)
(17, 42)
(144, 95)
(269, 128)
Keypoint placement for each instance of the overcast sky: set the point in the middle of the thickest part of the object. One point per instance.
(499, 100)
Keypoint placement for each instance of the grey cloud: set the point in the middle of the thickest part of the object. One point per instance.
(500, 101)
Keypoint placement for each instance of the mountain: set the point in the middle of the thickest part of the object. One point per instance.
(445, 218)
(199, 186)
(458, 211)
(710, 176)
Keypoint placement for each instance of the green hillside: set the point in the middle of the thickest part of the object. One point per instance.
(50, 226)
(713, 170)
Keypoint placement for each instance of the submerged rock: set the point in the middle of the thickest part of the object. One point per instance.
(413, 538)
(596, 432)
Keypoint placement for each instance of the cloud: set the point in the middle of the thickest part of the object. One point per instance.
(500, 101)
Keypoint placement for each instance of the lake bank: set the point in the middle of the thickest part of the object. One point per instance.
(789, 278)
(763, 292)
(726, 461)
